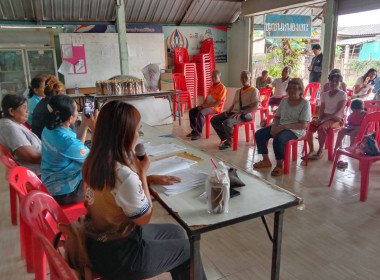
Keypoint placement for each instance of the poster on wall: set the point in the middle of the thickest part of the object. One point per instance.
(73, 55)
(191, 37)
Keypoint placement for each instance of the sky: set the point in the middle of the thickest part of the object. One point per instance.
(364, 18)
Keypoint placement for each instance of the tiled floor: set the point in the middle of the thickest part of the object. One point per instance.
(334, 237)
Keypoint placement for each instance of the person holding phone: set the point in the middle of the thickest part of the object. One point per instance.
(121, 242)
(89, 105)
(364, 85)
(63, 151)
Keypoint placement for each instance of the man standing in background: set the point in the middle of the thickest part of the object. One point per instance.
(315, 67)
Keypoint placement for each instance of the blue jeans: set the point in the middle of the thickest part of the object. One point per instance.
(279, 141)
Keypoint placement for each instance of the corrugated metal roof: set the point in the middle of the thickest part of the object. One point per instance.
(361, 30)
(315, 12)
(356, 41)
(136, 11)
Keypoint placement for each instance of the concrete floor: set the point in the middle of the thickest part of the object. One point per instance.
(335, 237)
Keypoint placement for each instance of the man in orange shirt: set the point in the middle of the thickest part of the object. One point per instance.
(213, 104)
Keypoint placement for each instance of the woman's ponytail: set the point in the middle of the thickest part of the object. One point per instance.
(60, 108)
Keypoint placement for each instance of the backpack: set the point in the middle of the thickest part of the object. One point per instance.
(75, 252)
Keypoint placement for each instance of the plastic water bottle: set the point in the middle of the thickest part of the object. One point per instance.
(76, 89)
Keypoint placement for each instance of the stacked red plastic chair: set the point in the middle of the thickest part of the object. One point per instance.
(190, 73)
(184, 95)
(205, 62)
(181, 56)
(207, 47)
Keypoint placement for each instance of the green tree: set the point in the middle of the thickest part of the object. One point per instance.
(361, 67)
(285, 52)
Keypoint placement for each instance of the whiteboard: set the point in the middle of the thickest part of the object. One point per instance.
(103, 59)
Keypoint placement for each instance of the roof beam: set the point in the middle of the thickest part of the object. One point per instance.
(37, 12)
(185, 13)
(317, 17)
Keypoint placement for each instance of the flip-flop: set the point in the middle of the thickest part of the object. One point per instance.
(314, 157)
(277, 171)
(262, 164)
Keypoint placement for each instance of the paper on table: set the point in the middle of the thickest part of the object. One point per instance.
(162, 149)
(191, 178)
(66, 68)
(67, 51)
(169, 165)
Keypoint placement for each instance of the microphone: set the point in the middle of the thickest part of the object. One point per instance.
(140, 151)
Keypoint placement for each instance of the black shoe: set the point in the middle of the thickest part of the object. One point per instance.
(195, 137)
(189, 135)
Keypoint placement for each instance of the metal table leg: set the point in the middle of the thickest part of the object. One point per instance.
(179, 109)
(277, 239)
(170, 103)
(195, 261)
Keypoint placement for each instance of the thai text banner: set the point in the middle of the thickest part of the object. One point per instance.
(191, 38)
(282, 26)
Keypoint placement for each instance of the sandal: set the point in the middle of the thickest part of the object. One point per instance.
(262, 164)
(277, 171)
(315, 157)
(224, 146)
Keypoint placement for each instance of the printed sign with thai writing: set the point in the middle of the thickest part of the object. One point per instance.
(282, 26)
(191, 38)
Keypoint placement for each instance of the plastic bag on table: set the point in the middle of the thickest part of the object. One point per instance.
(151, 74)
(218, 190)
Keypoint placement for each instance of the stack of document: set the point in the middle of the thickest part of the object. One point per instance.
(163, 149)
(180, 167)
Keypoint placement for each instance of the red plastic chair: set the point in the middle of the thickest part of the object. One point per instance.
(10, 163)
(28, 126)
(364, 161)
(191, 78)
(292, 146)
(181, 56)
(208, 119)
(372, 106)
(22, 181)
(250, 125)
(41, 214)
(184, 95)
(271, 116)
(264, 100)
(59, 269)
(315, 87)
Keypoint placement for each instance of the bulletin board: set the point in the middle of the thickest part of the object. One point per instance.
(76, 57)
(100, 54)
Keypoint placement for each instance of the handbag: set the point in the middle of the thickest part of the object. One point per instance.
(371, 148)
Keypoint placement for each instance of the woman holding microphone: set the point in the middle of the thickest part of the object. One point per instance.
(122, 244)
